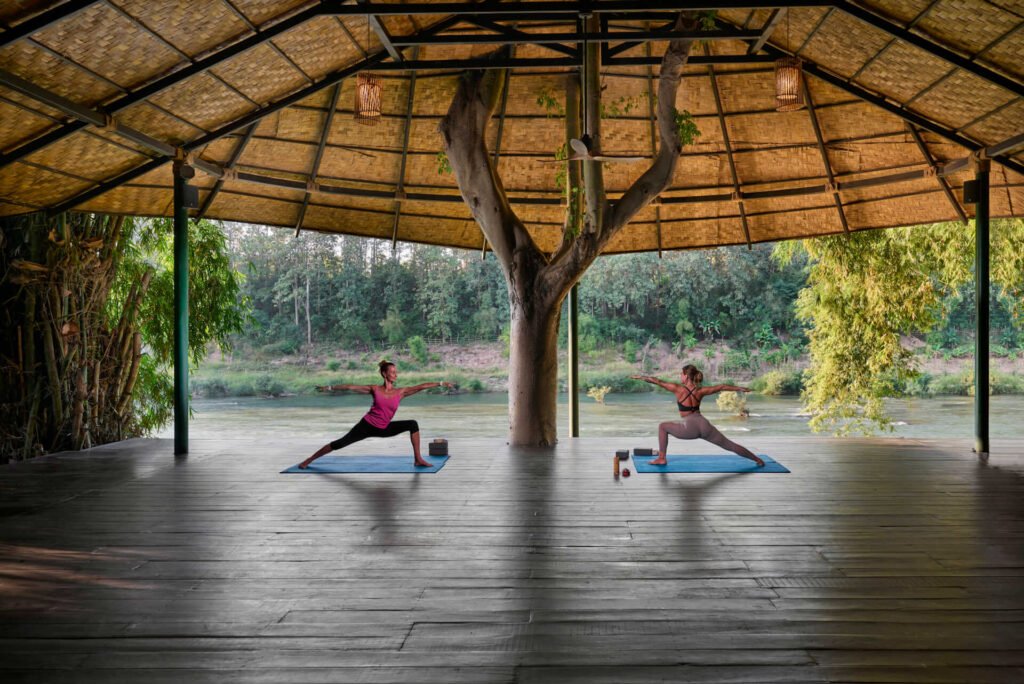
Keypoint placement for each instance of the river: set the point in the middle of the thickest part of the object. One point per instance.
(325, 417)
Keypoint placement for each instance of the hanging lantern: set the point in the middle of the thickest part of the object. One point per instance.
(789, 91)
(368, 89)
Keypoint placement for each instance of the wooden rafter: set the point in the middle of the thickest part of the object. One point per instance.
(892, 41)
(943, 183)
(230, 164)
(44, 19)
(833, 187)
(318, 157)
(654, 141)
(410, 99)
(273, 46)
(161, 84)
(737, 191)
(770, 25)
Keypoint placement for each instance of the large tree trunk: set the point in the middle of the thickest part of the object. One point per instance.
(537, 283)
(533, 377)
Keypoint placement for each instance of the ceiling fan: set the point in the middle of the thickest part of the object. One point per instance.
(583, 147)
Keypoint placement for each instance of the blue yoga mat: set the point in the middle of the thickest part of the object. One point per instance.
(726, 463)
(369, 464)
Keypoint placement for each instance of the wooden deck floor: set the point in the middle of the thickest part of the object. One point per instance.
(874, 561)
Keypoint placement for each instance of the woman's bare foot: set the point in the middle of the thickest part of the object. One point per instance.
(661, 460)
(304, 464)
(423, 464)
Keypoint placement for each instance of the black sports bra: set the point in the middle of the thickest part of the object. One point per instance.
(691, 409)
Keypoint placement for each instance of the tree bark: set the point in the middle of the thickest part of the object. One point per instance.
(536, 283)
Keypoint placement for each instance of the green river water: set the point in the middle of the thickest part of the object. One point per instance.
(323, 417)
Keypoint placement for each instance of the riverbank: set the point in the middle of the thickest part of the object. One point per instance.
(482, 367)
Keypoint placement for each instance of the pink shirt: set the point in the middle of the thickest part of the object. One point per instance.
(383, 409)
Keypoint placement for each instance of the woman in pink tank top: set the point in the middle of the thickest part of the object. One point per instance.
(377, 421)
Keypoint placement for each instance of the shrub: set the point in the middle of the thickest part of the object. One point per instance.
(950, 384)
(734, 403)
(629, 350)
(283, 347)
(1006, 383)
(334, 365)
(418, 349)
(475, 385)
(267, 384)
(779, 382)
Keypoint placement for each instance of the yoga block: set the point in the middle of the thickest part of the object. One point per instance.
(643, 452)
(438, 447)
(622, 454)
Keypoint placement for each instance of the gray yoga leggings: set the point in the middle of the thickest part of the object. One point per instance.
(697, 426)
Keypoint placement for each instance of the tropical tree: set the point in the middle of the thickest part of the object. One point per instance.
(537, 282)
(866, 292)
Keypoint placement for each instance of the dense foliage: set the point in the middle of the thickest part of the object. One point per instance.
(359, 293)
(867, 291)
(87, 304)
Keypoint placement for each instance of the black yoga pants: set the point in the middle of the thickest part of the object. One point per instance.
(362, 430)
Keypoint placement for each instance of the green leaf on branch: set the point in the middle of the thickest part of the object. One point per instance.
(686, 127)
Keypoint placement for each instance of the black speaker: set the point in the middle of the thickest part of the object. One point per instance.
(970, 192)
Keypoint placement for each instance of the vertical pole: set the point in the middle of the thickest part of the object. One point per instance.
(182, 173)
(573, 372)
(981, 297)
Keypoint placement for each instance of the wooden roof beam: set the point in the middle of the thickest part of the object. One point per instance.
(931, 47)
(232, 161)
(410, 98)
(766, 32)
(943, 183)
(737, 193)
(653, 121)
(247, 120)
(162, 84)
(525, 10)
(824, 157)
(382, 33)
(895, 109)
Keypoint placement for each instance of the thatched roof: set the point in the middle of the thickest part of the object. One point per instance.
(97, 97)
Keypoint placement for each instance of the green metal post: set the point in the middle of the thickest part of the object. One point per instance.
(573, 371)
(182, 173)
(981, 297)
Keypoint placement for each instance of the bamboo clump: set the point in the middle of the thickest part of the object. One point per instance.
(69, 368)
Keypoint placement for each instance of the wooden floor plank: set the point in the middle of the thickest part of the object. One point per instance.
(874, 560)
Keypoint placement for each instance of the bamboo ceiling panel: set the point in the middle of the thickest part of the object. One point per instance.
(104, 52)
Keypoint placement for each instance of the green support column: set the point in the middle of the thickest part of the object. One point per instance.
(573, 371)
(182, 173)
(981, 297)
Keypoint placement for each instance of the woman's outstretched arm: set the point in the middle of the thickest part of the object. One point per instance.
(714, 389)
(409, 391)
(361, 389)
(670, 386)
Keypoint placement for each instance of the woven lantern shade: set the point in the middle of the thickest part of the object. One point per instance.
(367, 109)
(789, 92)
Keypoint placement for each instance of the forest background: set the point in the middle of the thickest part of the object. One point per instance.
(326, 308)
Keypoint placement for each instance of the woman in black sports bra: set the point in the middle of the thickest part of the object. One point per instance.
(693, 425)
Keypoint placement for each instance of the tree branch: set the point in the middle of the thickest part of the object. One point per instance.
(463, 129)
(654, 181)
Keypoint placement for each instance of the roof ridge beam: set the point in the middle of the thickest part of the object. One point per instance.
(869, 17)
(522, 10)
